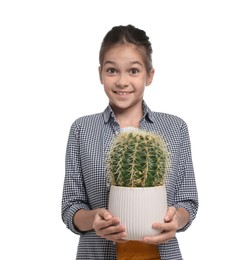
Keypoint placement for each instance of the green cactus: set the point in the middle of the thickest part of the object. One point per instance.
(137, 159)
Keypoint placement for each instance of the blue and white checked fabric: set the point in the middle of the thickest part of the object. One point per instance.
(86, 185)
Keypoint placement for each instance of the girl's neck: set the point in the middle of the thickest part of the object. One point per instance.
(128, 123)
(126, 118)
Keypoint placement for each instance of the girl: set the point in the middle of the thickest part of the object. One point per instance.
(125, 70)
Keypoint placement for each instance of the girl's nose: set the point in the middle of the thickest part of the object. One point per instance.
(122, 82)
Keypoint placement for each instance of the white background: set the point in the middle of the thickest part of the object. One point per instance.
(48, 78)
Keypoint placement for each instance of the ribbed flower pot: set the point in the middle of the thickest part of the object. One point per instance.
(138, 208)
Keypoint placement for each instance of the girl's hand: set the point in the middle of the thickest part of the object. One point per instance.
(108, 227)
(168, 228)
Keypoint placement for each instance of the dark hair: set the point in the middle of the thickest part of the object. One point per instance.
(128, 34)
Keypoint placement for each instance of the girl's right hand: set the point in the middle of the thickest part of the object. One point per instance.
(108, 227)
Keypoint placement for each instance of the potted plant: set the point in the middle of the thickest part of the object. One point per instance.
(137, 166)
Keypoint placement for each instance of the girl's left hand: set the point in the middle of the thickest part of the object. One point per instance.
(168, 228)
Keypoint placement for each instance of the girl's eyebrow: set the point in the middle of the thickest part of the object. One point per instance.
(136, 62)
(131, 63)
(109, 62)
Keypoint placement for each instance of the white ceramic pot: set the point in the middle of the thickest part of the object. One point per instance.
(138, 209)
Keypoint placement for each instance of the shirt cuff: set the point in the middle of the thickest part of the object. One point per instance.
(69, 218)
(190, 210)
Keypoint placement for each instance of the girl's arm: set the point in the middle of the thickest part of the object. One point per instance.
(101, 221)
(175, 219)
(84, 219)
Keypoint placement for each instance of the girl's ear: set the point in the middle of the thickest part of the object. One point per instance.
(100, 74)
(150, 77)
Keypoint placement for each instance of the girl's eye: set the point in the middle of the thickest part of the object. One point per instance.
(134, 71)
(111, 71)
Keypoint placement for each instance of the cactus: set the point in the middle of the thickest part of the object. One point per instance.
(137, 159)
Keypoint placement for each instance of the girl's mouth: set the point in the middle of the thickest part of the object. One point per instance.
(122, 93)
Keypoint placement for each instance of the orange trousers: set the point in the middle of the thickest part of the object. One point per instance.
(136, 250)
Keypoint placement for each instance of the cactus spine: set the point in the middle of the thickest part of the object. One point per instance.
(137, 159)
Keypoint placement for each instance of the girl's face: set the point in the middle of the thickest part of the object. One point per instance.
(124, 77)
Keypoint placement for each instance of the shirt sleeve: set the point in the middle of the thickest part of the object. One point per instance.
(186, 190)
(74, 196)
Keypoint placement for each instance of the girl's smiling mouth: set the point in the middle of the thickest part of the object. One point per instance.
(122, 93)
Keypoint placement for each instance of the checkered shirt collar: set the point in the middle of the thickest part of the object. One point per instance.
(109, 113)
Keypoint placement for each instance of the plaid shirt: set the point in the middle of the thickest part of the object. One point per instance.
(86, 185)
